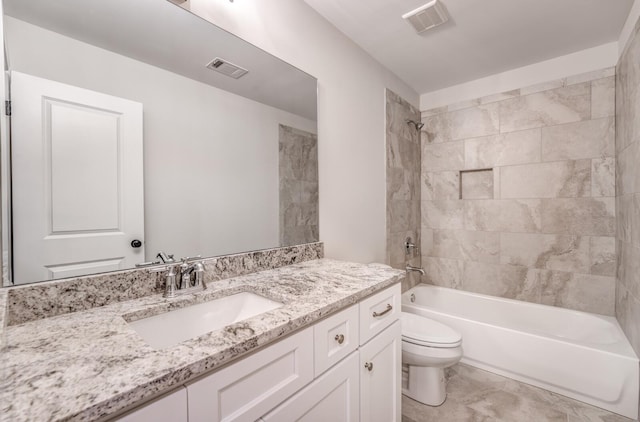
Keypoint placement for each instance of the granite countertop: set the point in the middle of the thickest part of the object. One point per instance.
(91, 364)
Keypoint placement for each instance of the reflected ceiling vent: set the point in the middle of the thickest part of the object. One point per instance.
(227, 68)
(428, 16)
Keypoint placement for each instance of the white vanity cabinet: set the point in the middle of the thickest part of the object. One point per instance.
(380, 376)
(344, 368)
(171, 407)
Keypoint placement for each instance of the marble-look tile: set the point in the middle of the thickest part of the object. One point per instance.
(402, 184)
(476, 184)
(579, 216)
(403, 215)
(466, 245)
(463, 104)
(603, 177)
(553, 252)
(591, 76)
(436, 128)
(500, 97)
(557, 106)
(628, 267)
(474, 122)
(522, 215)
(520, 283)
(574, 141)
(474, 395)
(563, 179)
(426, 241)
(440, 185)
(582, 292)
(543, 86)
(602, 256)
(398, 111)
(443, 272)
(480, 277)
(443, 214)
(603, 97)
(443, 156)
(433, 111)
(402, 153)
(461, 124)
(627, 177)
(628, 314)
(502, 150)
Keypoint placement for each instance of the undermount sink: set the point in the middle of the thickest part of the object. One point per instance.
(168, 329)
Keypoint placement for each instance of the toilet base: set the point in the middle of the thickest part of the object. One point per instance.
(426, 385)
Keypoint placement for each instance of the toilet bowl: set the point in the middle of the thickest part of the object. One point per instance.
(428, 347)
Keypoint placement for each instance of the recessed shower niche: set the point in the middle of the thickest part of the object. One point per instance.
(476, 184)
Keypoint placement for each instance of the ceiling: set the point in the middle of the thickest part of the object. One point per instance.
(483, 37)
(165, 35)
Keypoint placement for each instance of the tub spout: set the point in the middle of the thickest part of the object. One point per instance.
(416, 269)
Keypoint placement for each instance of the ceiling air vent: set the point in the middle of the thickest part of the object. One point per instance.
(226, 68)
(428, 16)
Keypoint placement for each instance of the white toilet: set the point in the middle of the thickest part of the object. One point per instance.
(428, 347)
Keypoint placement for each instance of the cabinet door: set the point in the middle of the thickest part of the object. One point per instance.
(247, 389)
(332, 397)
(380, 375)
(172, 407)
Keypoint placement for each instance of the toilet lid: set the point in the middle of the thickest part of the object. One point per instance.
(420, 330)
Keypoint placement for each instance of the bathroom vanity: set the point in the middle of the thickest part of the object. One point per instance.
(332, 348)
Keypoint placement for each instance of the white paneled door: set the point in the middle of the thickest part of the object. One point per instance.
(77, 179)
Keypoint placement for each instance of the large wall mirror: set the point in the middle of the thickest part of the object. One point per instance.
(137, 127)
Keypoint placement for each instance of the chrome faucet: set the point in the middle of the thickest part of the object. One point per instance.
(416, 269)
(187, 267)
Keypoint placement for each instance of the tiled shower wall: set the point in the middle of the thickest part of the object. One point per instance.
(628, 190)
(298, 168)
(403, 184)
(538, 222)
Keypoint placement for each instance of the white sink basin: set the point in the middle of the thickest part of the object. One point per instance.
(171, 328)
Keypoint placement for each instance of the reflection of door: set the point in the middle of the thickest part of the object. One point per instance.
(76, 178)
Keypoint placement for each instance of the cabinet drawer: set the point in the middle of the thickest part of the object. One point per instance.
(171, 407)
(246, 390)
(333, 397)
(334, 338)
(379, 311)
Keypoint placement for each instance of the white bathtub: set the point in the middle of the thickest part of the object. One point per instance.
(579, 355)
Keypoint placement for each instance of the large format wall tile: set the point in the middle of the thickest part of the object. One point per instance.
(603, 175)
(546, 180)
(522, 215)
(603, 97)
(552, 252)
(573, 141)
(443, 214)
(541, 228)
(440, 185)
(503, 150)
(581, 216)
(562, 105)
(444, 156)
(582, 292)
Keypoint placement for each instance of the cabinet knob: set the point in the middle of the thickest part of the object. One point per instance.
(339, 338)
(369, 366)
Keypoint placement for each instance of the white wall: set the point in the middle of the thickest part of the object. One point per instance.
(584, 61)
(201, 145)
(351, 114)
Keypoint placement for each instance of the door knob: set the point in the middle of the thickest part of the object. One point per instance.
(136, 243)
(369, 366)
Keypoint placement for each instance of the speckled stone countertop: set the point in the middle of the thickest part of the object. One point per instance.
(91, 364)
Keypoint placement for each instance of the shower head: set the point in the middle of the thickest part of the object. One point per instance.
(417, 125)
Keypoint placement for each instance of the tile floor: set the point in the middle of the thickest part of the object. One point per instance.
(477, 396)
